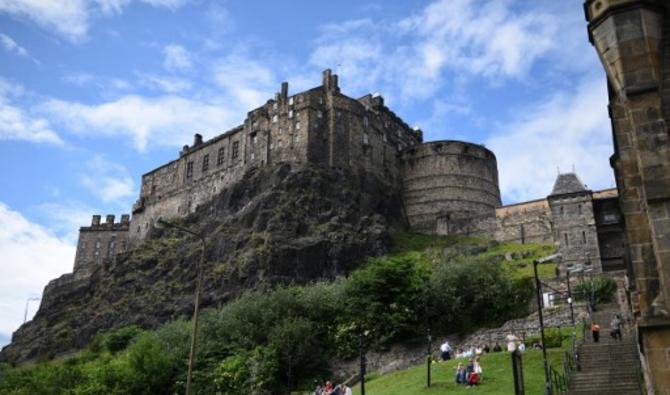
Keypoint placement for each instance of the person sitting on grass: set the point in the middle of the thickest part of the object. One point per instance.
(460, 374)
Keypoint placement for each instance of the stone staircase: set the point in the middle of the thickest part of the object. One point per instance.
(609, 367)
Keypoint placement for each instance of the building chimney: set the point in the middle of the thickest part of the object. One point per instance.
(125, 219)
(326, 78)
(95, 221)
(110, 219)
(284, 92)
(197, 139)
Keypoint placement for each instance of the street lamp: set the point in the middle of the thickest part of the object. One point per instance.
(361, 350)
(161, 223)
(547, 373)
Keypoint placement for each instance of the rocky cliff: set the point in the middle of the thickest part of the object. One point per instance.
(279, 224)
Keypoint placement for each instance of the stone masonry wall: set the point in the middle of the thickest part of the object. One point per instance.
(448, 180)
(575, 230)
(528, 222)
(100, 241)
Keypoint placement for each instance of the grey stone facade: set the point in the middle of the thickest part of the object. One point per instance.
(100, 241)
(632, 39)
(320, 126)
(571, 205)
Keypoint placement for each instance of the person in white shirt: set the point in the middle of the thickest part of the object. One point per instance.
(445, 351)
(512, 342)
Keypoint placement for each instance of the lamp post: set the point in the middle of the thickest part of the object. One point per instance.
(361, 350)
(428, 357)
(161, 223)
(572, 312)
(538, 286)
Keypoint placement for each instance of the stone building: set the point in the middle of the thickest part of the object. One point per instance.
(100, 241)
(572, 213)
(632, 39)
(320, 125)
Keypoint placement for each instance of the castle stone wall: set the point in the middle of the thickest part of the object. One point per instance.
(448, 180)
(319, 125)
(101, 240)
(528, 222)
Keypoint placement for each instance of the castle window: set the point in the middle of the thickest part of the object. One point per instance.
(320, 100)
(254, 125)
(189, 169)
(579, 207)
(254, 139)
(272, 145)
(290, 113)
(366, 139)
(384, 137)
(236, 149)
(297, 126)
(565, 238)
(584, 237)
(205, 163)
(319, 114)
(97, 244)
(281, 130)
(366, 122)
(274, 105)
(275, 118)
(561, 210)
(253, 155)
(221, 156)
(290, 101)
(296, 138)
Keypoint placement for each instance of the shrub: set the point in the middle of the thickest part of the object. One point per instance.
(119, 339)
(599, 289)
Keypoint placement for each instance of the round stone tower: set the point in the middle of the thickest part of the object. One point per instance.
(449, 184)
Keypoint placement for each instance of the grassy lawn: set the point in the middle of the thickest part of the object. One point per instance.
(497, 377)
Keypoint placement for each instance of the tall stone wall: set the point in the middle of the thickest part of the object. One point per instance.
(632, 39)
(528, 222)
(101, 240)
(446, 181)
(575, 230)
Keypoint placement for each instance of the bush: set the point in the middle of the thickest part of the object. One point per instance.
(119, 339)
(553, 338)
(599, 289)
(253, 372)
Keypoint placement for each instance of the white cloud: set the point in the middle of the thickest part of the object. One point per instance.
(247, 81)
(19, 124)
(64, 218)
(412, 58)
(569, 128)
(177, 58)
(107, 180)
(162, 121)
(68, 18)
(31, 256)
(164, 84)
(71, 18)
(11, 46)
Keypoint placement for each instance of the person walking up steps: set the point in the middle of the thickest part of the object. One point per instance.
(595, 331)
(616, 327)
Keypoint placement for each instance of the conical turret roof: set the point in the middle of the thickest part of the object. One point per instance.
(568, 183)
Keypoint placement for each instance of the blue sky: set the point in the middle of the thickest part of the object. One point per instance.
(94, 93)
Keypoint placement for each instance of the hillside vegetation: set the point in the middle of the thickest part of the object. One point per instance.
(283, 338)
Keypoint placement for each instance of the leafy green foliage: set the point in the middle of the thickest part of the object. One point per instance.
(270, 341)
(598, 289)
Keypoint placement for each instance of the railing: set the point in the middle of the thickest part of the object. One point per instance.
(559, 380)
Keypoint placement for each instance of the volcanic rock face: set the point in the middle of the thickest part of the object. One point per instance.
(279, 224)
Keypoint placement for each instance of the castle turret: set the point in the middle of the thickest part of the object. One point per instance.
(632, 38)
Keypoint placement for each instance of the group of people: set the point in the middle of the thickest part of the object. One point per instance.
(332, 389)
(615, 329)
(470, 374)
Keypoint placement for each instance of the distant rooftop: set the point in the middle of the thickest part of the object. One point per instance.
(568, 183)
